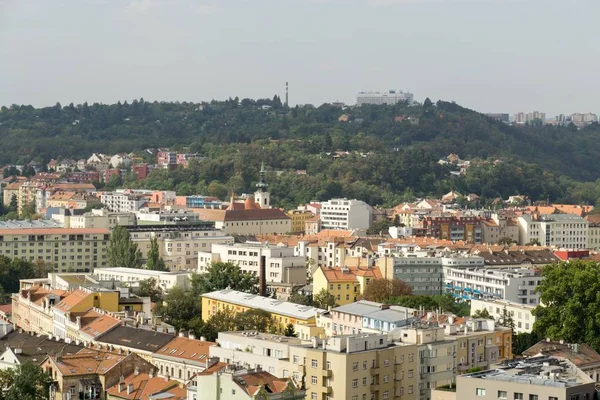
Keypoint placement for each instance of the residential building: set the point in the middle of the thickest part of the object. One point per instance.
(581, 355)
(142, 342)
(120, 160)
(90, 372)
(133, 276)
(532, 117)
(514, 284)
(512, 257)
(178, 244)
(139, 385)
(365, 317)
(541, 378)
(345, 214)
(65, 248)
(183, 357)
(256, 350)
(100, 218)
(283, 312)
(166, 216)
(298, 220)
(499, 227)
(84, 177)
(346, 284)
(593, 232)
(521, 314)
(123, 202)
(281, 265)
(247, 219)
(9, 191)
(467, 229)
(391, 97)
(233, 383)
(557, 230)
(198, 202)
(73, 200)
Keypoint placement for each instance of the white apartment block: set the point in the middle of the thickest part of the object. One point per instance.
(133, 277)
(557, 230)
(345, 214)
(378, 98)
(521, 313)
(102, 219)
(282, 265)
(178, 244)
(517, 285)
(255, 349)
(123, 202)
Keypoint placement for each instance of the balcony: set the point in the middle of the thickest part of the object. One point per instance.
(374, 387)
(326, 373)
(329, 390)
(375, 370)
(463, 367)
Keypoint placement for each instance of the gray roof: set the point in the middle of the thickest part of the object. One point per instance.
(264, 303)
(35, 348)
(136, 338)
(370, 309)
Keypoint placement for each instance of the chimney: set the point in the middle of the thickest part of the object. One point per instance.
(262, 283)
(130, 388)
(181, 333)
(151, 373)
(136, 371)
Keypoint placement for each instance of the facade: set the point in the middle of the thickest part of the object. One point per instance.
(178, 244)
(133, 276)
(183, 357)
(282, 266)
(346, 284)
(283, 312)
(557, 230)
(123, 202)
(520, 313)
(499, 227)
(65, 248)
(593, 232)
(392, 97)
(101, 218)
(73, 200)
(163, 216)
(345, 214)
(467, 229)
(298, 220)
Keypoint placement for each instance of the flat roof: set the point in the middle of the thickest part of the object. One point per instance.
(192, 226)
(264, 303)
(138, 271)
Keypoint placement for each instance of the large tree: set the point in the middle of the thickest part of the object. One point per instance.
(179, 308)
(26, 381)
(155, 261)
(224, 275)
(122, 252)
(149, 288)
(324, 299)
(255, 320)
(381, 290)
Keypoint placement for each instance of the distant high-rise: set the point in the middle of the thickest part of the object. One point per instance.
(286, 95)
(391, 97)
(523, 118)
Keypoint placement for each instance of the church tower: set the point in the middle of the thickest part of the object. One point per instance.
(262, 196)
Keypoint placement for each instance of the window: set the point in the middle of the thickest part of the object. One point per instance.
(295, 359)
(518, 396)
(313, 380)
(480, 392)
(386, 379)
(410, 373)
(313, 396)
(502, 394)
(364, 381)
(314, 364)
(355, 366)
(354, 383)
(533, 397)
(552, 398)
(233, 392)
(386, 394)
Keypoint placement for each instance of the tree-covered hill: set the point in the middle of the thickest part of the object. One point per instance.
(400, 147)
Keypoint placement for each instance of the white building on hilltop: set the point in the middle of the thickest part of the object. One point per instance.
(377, 98)
(345, 214)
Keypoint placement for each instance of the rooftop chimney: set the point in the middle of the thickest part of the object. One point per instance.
(262, 283)
(151, 373)
(136, 371)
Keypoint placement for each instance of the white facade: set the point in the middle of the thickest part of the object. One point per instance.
(345, 214)
(282, 266)
(516, 285)
(95, 219)
(122, 202)
(378, 98)
(565, 231)
(133, 276)
(521, 313)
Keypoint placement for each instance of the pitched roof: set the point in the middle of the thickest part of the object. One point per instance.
(581, 355)
(136, 338)
(95, 324)
(349, 274)
(72, 299)
(87, 361)
(252, 381)
(185, 348)
(146, 387)
(35, 348)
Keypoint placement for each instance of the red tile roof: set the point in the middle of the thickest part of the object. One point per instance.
(144, 387)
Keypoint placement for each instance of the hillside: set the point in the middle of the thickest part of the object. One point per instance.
(400, 146)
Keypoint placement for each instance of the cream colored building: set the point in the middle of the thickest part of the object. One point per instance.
(133, 277)
(101, 218)
(520, 313)
(298, 220)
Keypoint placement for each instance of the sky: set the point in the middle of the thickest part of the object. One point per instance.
(488, 55)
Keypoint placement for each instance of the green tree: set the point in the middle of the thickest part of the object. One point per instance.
(533, 242)
(483, 313)
(290, 331)
(506, 241)
(223, 275)
(14, 203)
(324, 299)
(27, 381)
(122, 252)
(155, 261)
(179, 308)
(524, 340)
(569, 292)
(28, 210)
(149, 288)
(299, 298)
(381, 290)
(254, 320)
(224, 320)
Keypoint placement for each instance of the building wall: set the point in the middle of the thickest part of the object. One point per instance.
(345, 214)
(520, 313)
(256, 227)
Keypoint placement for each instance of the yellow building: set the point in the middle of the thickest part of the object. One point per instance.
(66, 249)
(73, 200)
(283, 312)
(356, 367)
(346, 284)
(298, 220)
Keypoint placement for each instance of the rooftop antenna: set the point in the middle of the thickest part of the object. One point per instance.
(287, 104)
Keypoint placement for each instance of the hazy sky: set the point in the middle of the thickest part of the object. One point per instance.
(490, 55)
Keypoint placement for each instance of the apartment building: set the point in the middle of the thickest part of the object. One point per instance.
(67, 249)
(520, 313)
(101, 218)
(178, 244)
(245, 384)
(183, 357)
(499, 227)
(298, 220)
(557, 230)
(167, 215)
(593, 232)
(538, 378)
(467, 229)
(346, 284)
(123, 202)
(133, 276)
(580, 354)
(345, 214)
(282, 311)
(253, 349)
(357, 367)
(514, 284)
(282, 265)
(391, 97)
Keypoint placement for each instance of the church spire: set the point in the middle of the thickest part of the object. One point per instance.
(262, 184)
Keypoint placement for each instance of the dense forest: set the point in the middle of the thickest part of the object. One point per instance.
(393, 150)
